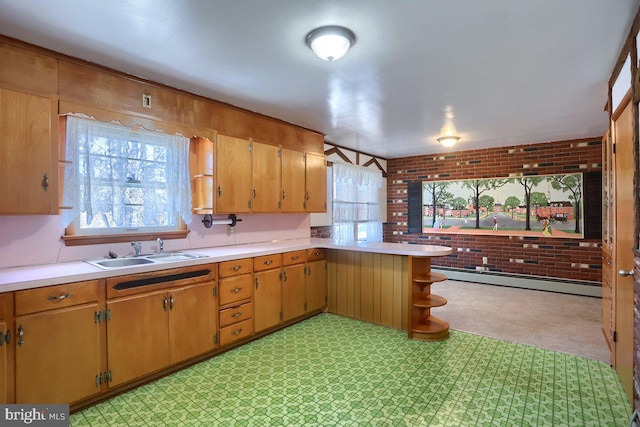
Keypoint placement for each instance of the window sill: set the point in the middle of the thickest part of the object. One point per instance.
(122, 238)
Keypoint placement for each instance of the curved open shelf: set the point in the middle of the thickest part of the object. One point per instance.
(422, 325)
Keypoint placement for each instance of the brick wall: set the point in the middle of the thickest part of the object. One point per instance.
(579, 259)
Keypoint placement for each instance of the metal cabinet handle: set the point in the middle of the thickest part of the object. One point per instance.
(164, 304)
(284, 194)
(238, 314)
(171, 303)
(625, 273)
(285, 276)
(309, 270)
(293, 258)
(59, 298)
(254, 193)
(317, 253)
(268, 262)
(236, 332)
(20, 335)
(236, 268)
(45, 181)
(7, 337)
(219, 191)
(235, 290)
(307, 195)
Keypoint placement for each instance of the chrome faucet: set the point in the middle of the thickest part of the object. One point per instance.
(160, 245)
(137, 246)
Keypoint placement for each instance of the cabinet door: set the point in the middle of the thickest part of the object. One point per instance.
(29, 172)
(316, 285)
(4, 382)
(192, 321)
(293, 180)
(267, 298)
(57, 355)
(137, 336)
(294, 295)
(316, 183)
(233, 175)
(266, 178)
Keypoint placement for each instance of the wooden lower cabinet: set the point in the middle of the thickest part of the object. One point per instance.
(137, 336)
(316, 282)
(294, 295)
(267, 299)
(192, 321)
(4, 380)
(57, 355)
(150, 331)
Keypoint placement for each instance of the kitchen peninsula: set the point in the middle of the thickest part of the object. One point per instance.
(117, 328)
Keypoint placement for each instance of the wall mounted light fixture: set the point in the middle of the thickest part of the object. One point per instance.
(330, 42)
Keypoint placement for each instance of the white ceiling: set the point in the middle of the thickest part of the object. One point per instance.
(514, 72)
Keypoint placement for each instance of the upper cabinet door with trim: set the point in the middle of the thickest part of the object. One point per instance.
(233, 175)
(29, 173)
(266, 178)
(293, 181)
(316, 183)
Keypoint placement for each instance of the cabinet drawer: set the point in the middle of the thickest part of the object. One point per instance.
(233, 268)
(4, 300)
(267, 262)
(237, 288)
(235, 332)
(295, 257)
(52, 297)
(316, 254)
(236, 314)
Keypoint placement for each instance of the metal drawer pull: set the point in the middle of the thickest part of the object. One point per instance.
(235, 290)
(164, 304)
(171, 303)
(268, 262)
(236, 268)
(20, 335)
(7, 337)
(293, 258)
(61, 297)
(236, 332)
(317, 253)
(237, 314)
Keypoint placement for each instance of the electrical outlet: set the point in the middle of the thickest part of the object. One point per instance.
(485, 260)
(146, 101)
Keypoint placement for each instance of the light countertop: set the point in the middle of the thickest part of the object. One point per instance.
(19, 278)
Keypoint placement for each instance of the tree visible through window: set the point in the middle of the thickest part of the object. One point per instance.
(121, 180)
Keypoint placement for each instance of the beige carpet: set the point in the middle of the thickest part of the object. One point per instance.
(566, 323)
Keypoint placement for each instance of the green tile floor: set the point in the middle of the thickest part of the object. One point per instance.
(334, 371)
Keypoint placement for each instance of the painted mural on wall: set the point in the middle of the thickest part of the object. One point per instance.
(541, 205)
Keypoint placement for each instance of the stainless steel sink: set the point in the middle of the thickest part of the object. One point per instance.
(169, 257)
(109, 263)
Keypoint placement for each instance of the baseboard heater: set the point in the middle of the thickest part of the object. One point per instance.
(540, 283)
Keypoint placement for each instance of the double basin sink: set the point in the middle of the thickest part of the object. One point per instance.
(109, 263)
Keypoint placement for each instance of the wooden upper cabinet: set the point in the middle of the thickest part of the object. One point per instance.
(316, 183)
(293, 180)
(29, 173)
(233, 173)
(28, 71)
(266, 178)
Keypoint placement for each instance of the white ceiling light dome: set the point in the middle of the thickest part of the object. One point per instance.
(330, 42)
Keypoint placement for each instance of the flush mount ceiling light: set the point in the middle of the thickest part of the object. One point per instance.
(330, 42)
(449, 140)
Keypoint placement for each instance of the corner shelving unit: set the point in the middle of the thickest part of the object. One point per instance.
(422, 324)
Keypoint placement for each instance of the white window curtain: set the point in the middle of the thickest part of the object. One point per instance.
(117, 177)
(356, 204)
